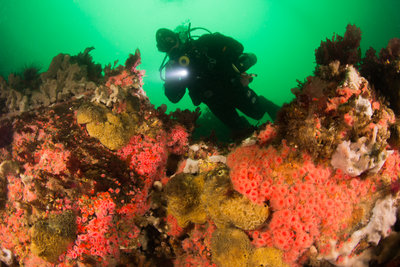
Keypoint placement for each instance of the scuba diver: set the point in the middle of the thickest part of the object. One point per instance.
(213, 68)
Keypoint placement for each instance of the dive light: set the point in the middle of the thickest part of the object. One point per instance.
(178, 73)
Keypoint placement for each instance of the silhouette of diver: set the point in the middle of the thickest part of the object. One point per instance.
(213, 69)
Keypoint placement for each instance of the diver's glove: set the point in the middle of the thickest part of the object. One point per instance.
(246, 61)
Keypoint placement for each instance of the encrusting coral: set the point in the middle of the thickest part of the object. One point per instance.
(91, 174)
(183, 193)
(230, 247)
(63, 170)
(112, 129)
(193, 198)
(51, 237)
(308, 166)
(267, 256)
(113, 114)
(227, 207)
(325, 112)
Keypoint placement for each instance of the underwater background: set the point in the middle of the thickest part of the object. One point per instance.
(93, 173)
(283, 34)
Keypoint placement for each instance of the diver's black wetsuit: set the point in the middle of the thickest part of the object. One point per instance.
(211, 79)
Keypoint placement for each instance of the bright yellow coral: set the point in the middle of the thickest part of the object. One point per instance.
(192, 198)
(113, 130)
(183, 194)
(267, 256)
(230, 247)
(90, 113)
(227, 207)
(51, 237)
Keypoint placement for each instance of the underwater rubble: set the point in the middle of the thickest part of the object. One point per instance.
(92, 174)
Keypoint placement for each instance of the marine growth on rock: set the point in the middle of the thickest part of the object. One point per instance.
(92, 174)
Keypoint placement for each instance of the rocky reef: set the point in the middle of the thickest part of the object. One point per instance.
(92, 174)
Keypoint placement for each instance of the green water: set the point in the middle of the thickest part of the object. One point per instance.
(282, 33)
